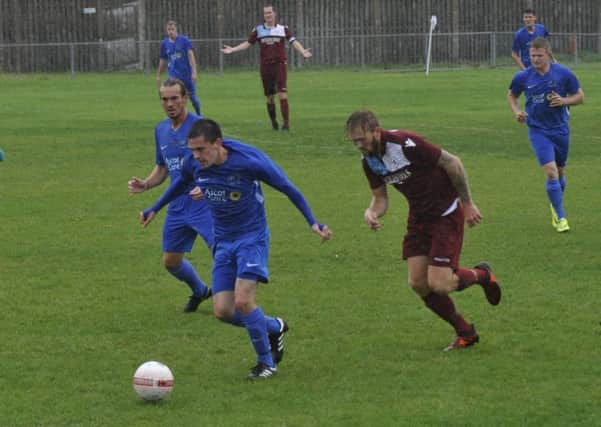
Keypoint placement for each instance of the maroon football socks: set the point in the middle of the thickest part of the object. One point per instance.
(444, 307)
(470, 276)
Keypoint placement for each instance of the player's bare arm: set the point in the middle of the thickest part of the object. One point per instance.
(518, 113)
(518, 61)
(456, 172)
(192, 60)
(377, 208)
(575, 99)
(160, 69)
(156, 177)
(301, 49)
(229, 49)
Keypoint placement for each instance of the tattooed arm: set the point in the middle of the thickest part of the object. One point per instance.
(454, 169)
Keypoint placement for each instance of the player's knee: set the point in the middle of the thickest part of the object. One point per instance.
(551, 170)
(220, 315)
(225, 314)
(438, 284)
(171, 264)
(419, 286)
(172, 261)
(243, 305)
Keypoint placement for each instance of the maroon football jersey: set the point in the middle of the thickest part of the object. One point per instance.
(410, 164)
(272, 42)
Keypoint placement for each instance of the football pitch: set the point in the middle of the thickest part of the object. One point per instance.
(85, 299)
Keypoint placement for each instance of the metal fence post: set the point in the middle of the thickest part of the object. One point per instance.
(362, 51)
(493, 49)
(425, 51)
(220, 32)
(142, 35)
(220, 58)
(72, 59)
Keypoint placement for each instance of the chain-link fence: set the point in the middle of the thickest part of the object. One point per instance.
(364, 52)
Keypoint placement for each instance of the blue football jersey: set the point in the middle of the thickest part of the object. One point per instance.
(171, 148)
(176, 55)
(522, 40)
(233, 191)
(538, 89)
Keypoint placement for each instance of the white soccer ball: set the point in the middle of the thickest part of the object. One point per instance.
(153, 380)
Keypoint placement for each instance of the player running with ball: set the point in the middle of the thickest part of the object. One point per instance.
(227, 174)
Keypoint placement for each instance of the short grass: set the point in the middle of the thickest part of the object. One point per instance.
(85, 299)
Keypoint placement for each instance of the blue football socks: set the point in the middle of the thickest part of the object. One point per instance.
(562, 182)
(186, 273)
(195, 103)
(237, 319)
(273, 326)
(257, 331)
(555, 195)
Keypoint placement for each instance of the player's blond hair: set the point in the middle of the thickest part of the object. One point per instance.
(540, 43)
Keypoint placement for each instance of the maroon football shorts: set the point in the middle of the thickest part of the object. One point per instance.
(274, 77)
(439, 238)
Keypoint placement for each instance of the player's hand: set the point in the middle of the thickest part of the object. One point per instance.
(372, 220)
(471, 213)
(556, 100)
(136, 185)
(307, 53)
(196, 193)
(323, 231)
(146, 217)
(227, 49)
(194, 78)
(521, 116)
(159, 82)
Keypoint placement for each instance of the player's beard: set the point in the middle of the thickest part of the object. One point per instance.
(175, 114)
(374, 148)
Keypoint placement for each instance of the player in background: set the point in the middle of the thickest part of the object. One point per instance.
(186, 218)
(550, 89)
(227, 174)
(520, 50)
(435, 186)
(177, 55)
(274, 68)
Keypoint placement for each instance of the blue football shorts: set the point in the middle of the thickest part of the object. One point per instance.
(244, 258)
(550, 146)
(181, 228)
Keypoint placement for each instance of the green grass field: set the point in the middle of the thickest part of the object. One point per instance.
(85, 299)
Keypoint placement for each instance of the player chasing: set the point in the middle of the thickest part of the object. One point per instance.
(435, 186)
(550, 90)
(227, 174)
(186, 218)
(274, 68)
(177, 55)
